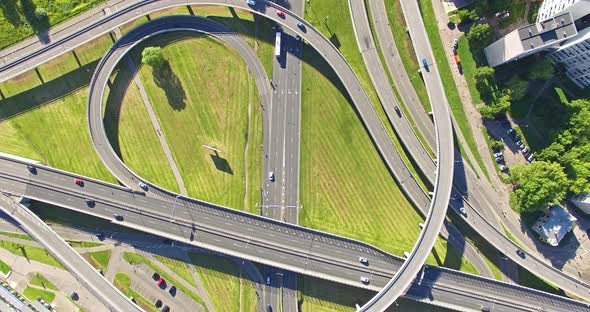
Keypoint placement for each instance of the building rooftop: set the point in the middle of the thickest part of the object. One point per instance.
(554, 224)
(528, 39)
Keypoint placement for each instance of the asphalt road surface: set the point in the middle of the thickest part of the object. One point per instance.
(58, 46)
(67, 256)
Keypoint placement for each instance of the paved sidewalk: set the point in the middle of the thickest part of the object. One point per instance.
(155, 122)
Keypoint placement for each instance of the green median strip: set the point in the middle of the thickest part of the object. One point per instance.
(43, 282)
(35, 293)
(31, 253)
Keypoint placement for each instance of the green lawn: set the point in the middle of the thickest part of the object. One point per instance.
(179, 267)
(468, 65)
(448, 82)
(221, 279)
(214, 114)
(134, 259)
(43, 282)
(17, 235)
(100, 259)
(34, 293)
(14, 26)
(44, 121)
(81, 244)
(123, 283)
(131, 133)
(528, 279)
(31, 253)
(4, 268)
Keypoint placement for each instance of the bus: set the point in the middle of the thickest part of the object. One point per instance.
(278, 44)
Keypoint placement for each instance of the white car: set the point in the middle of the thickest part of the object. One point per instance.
(363, 260)
(251, 2)
(271, 176)
(268, 280)
(463, 211)
(365, 280)
(143, 185)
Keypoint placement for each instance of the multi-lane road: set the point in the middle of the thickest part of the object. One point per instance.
(270, 242)
(363, 106)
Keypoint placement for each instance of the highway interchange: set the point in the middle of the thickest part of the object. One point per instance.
(380, 138)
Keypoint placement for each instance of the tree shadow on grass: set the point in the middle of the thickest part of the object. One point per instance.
(167, 80)
(10, 12)
(221, 163)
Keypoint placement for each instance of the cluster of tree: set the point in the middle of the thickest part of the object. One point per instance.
(564, 165)
(153, 57)
(480, 36)
(466, 16)
(36, 17)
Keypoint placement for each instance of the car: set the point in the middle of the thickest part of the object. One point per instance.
(425, 63)
(364, 280)
(251, 2)
(32, 169)
(79, 182)
(455, 42)
(90, 203)
(269, 308)
(498, 154)
(74, 296)
(363, 260)
(525, 150)
(398, 111)
(456, 197)
(298, 38)
(520, 253)
(158, 303)
(166, 309)
(463, 211)
(268, 280)
(155, 276)
(142, 185)
(510, 132)
(503, 168)
(172, 291)
(516, 137)
(281, 14)
(271, 176)
(118, 217)
(531, 158)
(100, 236)
(301, 26)
(500, 159)
(161, 282)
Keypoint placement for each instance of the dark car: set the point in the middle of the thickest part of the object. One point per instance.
(172, 291)
(118, 217)
(425, 63)
(158, 303)
(301, 26)
(100, 236)
(166, 309)
(90, 203)
(155, 276)
(521, 253)
(398, 111)
(32, 169)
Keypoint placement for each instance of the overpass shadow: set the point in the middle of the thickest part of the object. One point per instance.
(47, 92)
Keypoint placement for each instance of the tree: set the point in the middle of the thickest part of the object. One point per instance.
(480, 36)
(518, 88)
(539, 184)
(497, 145)
(542, 70)
(467, 16)
(483, 74)
(153, 56)
(497, 107)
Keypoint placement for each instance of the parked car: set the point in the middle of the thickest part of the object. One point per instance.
(155, 276)
(504, 168)
(161, 282)
(79, 182)
(455, 42)
(498, 154)
(166, 309)
(510, 132)
(524, 150)
(531, 158)
(500, 159)
(158, 303)
(172, 291)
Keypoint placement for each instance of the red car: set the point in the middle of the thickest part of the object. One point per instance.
(79, 182)
(281, 13)
(160, 281)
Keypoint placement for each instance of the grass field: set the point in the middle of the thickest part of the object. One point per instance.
(123, 283)
(17, 235)
(100, 259)
(221, 279)
(47, 121)
(43, 282)
(4, 268)
(215, 114)
(34, 293)
(346, 188)
(81, 244)
(14, 26)
(179, 267)
(134, 259)
(31, 253)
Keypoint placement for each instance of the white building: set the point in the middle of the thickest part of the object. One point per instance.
(554, 224)
(582, 201)
(550, 8)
